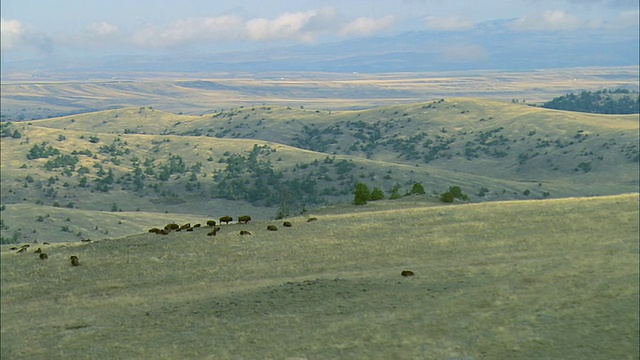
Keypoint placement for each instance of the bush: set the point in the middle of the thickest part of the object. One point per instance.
(417, 189)
(454, 192)
(377, 194)
(362, 194)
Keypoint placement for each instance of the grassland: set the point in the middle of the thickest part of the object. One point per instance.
(494, 150)
(554, 278)
(28, 98)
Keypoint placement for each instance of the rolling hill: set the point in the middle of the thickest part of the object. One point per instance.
(270, 161)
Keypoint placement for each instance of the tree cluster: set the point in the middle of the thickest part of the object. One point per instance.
(620, 101)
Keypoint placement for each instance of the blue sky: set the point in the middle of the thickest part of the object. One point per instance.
(41, 28)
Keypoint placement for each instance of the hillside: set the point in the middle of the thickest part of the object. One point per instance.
(273, 160)
(553, 278)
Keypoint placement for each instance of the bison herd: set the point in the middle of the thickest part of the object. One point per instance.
(214, 226)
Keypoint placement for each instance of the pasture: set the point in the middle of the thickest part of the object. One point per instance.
(534, 279)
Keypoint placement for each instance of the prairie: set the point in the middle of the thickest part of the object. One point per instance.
(554, 278)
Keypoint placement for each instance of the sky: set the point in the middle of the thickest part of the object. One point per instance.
(42, 28)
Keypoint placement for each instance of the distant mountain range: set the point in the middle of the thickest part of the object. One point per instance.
(485, 47)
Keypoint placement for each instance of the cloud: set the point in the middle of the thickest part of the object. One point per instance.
(304, 26)
(180, 32)
(366, 26)
(14, 35)
(102, 28)
(550, 21)
(451, 23)
(10, 33)
(628, 18)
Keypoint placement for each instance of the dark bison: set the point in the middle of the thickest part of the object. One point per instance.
(272, 228)
(23, 249)
(172, 227)
(312, 219)
(211, 223)
(189, 229)
(197, 225)
(245, 232)
(286, 224)
(74, 260)
(37, 251)
(43, 256)
(185, 226)
(406, 273)
(214, 231)
(226, 219)
(244, 219)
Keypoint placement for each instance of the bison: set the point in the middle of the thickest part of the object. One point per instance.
(286, 224)
(43, 256)
(272, 228)
(214, 231)
(244, 219)
(312, 219)
(245, 232)
(406, 273)
(172, 227)
(74, 260)
(226, 219)
(211, 223)
(185, 226)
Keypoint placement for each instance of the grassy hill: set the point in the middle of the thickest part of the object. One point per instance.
(553, 278)
(277, 160)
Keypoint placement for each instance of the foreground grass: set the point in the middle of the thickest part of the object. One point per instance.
(521, 279)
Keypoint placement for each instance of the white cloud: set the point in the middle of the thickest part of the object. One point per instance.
(219, 29)
(303, 26)
(628, 18)
(10, 33)
(14, 35)
(452, 23)
(366, 26)
(102, 28)
(550, 21)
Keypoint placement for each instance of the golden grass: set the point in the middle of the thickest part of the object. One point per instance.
(520, 279)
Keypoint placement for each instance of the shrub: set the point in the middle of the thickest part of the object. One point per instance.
(377, 194)
(417, 189)
(362, 194)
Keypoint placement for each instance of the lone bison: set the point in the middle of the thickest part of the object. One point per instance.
(245, 232)
(406, 273)
(312, 219)
(211, 223)
(286, 224)
(226, 219)
(214, 231)
(244, 219)
(74, 260)
(172, 227)
(43, 256)
(272, 228)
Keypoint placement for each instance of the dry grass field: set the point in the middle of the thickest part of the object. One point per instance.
(544, 279)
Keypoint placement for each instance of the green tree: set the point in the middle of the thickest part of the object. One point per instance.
(377, 194)
(417, 189)
(362, 194)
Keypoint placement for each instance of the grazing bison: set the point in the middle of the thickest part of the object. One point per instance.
(244, 219)
(185, 226)
(23, 249)
(197, 225)
(244, 232)
(286, 224)
(272, 228)
(214, 231)
(312, 219)
(74, 260)
(211, 223)
(406, 273)
(43, 256)
(189, 229)
(37, 251)
(172, 227)
(226, 219)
